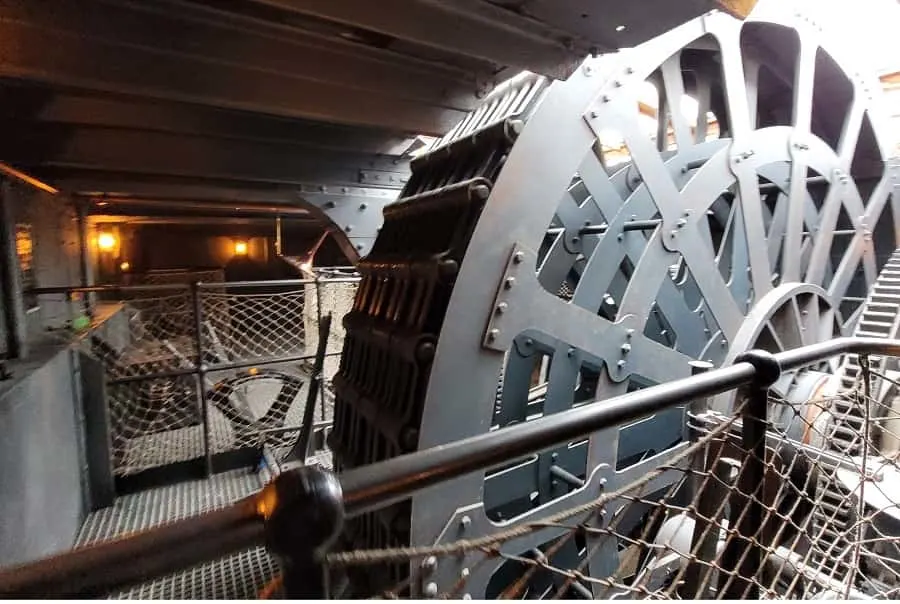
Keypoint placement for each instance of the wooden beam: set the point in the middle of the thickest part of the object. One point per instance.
(738, 8)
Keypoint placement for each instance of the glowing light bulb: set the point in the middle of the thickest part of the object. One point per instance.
(106, 241)
(240, 248)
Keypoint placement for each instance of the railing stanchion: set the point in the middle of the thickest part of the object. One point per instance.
(301, 450)
(744, 553)
(319, 316)
(707, 494)
(200, 374)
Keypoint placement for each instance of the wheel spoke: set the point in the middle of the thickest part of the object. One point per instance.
(673, 81)
(804, 78)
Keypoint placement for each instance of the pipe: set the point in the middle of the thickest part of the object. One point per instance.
(197, 206)
(29, 180)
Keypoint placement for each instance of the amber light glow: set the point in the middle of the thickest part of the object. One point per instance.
(106, 241)
(125, 266)
(240, 248)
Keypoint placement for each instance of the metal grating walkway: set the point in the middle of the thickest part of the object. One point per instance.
(239, 576)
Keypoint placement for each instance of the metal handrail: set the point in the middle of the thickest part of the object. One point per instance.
(383, 483)
(112, 287)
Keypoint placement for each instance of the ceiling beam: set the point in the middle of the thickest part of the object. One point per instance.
(132, 206)
(473, 28)
(40, 104)
(155, 153)
(118, 49)
(101, 185)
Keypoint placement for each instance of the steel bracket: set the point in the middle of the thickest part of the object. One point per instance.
(519, 263)
(355, 212)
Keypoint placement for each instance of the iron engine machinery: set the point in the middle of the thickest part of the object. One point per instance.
(722, 187)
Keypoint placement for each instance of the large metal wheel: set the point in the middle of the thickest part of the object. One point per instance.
(609, 254)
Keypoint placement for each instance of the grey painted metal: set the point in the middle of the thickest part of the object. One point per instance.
(645, 303)
(97, 442)
(377, 485)
(42, 500)
(355, 213)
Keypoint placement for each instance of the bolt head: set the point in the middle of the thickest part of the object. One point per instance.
(464, 573)
(465, 522)
(493, 334)
(431, 590)
(518, 257)
(510, 281)
(502, 307)
(429, 563)
(363, 206)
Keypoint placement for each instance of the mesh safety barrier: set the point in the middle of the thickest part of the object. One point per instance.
(816, 517)
(149, 351)
(240, 325)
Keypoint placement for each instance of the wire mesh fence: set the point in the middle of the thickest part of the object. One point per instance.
(238, 325)
(246, 388)
(814, 516)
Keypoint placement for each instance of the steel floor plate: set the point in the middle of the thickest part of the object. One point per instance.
(239, 576)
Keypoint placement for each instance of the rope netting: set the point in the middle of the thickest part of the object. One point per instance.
(158, 419)
(243, 326)
(818, 517)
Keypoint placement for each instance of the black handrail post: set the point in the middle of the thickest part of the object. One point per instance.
(744, 553)
(306, 518)
(301, 449)
(200, 374)
(707, 495)
(319, 317)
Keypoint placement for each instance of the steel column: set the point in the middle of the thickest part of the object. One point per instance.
(300, 450)
(201, 370)
(744, 553)
(13, 302)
